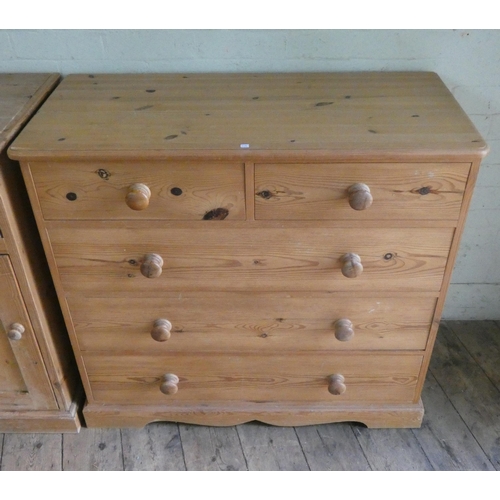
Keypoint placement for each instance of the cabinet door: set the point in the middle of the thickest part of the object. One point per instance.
(24, 383)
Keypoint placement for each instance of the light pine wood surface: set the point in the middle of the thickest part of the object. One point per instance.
(460, 430)
(34, 350)
(350, 114)
(233, 186)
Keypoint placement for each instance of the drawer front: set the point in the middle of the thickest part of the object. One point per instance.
(415, 191)
(135, 380)
(264, 259)
(177, 191)
(263, 322)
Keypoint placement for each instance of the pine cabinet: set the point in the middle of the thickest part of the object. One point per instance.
(39, 385)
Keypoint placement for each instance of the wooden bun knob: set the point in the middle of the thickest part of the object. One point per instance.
(169, 383)
(16, 331)
(161, 330)
(151, 265)
(336, 384)
(138, 196)
(343, 330)
(351, 265)
(360, 197)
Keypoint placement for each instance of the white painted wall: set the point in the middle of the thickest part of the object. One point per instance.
(467, 60)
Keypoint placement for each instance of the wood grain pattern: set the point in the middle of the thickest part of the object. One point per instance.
(23, 381)
(237, 412)
(422, 191)
(179, 191)
(94, 450)
(251, 293)
(243, 321)
(470, 391)
(43, 355)
(391, 449)
(20, 96)
(444, 438)
(32, 452)
(332, 448)
(271, 448)
(350, 114)
(236, 259)
(157, 448)
(212, 448)
(225, 377)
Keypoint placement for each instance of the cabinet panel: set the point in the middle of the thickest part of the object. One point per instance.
(23, 380)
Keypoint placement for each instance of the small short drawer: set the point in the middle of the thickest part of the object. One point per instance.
(244, 321)
(360, 191)
(370, 378)
(140, 190)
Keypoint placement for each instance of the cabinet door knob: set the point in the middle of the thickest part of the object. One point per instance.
(161, 330)
(169, 383)
(151, 265)
(343, 330)
(360, 197)
(16, 331)
(351, 265)
(336, 384)
(138, 196)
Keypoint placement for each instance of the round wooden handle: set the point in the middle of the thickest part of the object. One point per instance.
(351, 265)
(336, 384)
(360, 197)
(151, 265)
(169, 383)
(138, 196)
(16, 331)
(343, 330)
(161, 330)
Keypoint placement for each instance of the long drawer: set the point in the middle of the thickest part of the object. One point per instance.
(101, 256)
(259, 322)
(399, 191)
(167, 190)
(134, 380)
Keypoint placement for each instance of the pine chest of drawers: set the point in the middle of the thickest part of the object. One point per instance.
(272, 247)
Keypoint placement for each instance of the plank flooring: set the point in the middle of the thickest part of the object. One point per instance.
(460, 432)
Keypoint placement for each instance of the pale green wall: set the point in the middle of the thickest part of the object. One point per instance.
(467, 60)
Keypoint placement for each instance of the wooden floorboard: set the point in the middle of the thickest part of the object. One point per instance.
(472, 393)
(32, 452)
(392, 449)
(269, 448)
(212, 448)
(93, 450)
(332, 447)
(157, 447)
(445, 438)
(460, 431)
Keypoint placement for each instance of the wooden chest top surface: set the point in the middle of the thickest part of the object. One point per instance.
(20, 95)
(376, 116)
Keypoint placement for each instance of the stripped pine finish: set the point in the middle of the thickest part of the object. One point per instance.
(239, 185)
(460, 430)
(39, 387)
